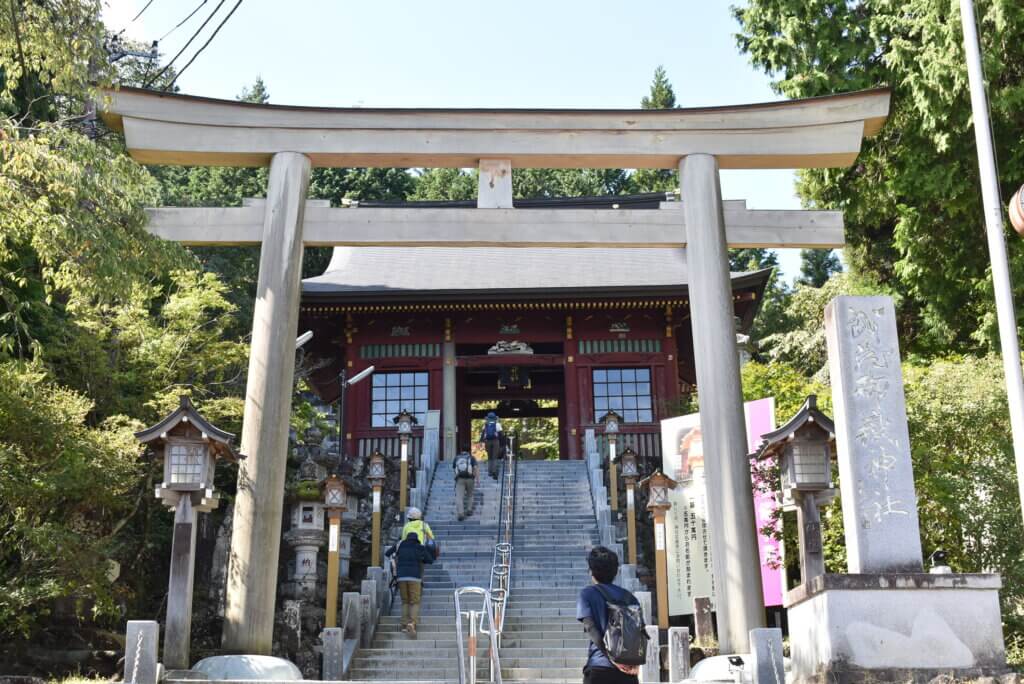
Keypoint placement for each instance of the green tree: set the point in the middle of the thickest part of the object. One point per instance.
(799, 341)
(445, 184)
(817, 266)
(661, 96)
(538, 183)
(50, 52)
(64, 486)
(912, 207)
(71, 229)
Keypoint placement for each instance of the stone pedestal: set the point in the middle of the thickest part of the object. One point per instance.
(307, 544)
(905, 627)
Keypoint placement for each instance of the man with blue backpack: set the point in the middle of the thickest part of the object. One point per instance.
(492, 438)
(614, 620)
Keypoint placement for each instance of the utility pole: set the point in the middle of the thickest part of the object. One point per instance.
(993, 205)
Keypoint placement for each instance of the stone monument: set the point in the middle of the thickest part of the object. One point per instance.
(887, 620)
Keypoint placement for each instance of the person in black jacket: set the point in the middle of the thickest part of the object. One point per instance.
(411, 555)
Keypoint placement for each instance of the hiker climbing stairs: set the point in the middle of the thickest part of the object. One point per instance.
(555, 528)
(465, 559)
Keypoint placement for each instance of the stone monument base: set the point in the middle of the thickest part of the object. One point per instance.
(895, 627)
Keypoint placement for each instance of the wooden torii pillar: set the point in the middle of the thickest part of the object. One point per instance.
(173, 129)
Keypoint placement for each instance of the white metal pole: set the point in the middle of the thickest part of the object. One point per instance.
(996, 240)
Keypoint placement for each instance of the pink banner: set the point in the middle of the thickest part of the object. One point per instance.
(760, 417)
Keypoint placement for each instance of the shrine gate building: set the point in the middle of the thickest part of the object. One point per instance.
(591, 329)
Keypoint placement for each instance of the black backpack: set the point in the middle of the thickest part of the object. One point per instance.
(625, 637)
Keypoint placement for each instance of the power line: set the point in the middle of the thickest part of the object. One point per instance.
(208, 40)
(185, 47)
(141, 11)
(180, 23)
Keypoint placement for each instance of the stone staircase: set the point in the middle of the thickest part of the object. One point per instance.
(466, 557)
(542, 641)
(555, 528)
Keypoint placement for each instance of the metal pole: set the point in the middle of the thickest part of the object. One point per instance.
(473, 617)
(343, 384)
(1007, 318)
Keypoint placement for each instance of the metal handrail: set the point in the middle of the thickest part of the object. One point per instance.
(474, 631)
(501, 566)
(498, 590)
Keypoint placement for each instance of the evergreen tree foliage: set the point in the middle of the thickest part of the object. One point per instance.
(661, 96)
(912, 204)
(818, 265)
(445, 184)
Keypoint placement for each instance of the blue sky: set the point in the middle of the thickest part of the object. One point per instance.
(457, 53)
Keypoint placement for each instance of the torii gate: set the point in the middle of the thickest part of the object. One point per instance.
(171, 129)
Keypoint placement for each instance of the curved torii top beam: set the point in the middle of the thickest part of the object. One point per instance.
(162, 128)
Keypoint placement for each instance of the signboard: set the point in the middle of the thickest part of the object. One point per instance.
(689, 550)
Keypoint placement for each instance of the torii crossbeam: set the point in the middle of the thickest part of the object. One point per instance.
(171, 129)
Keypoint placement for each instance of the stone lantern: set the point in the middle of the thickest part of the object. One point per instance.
(630, 472)
(658, 503)
(336, 502)
(404, 422)
(189, 447)
(306, 535)
(377, 474)
(611, 422)
(803, 448)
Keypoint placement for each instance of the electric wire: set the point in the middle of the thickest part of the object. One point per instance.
(208, 41)
(185, 46)
(182, 22)
(141, 11)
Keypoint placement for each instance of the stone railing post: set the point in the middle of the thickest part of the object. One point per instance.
(141, 662)
(679, 654)
(651, 670)
(766, 663)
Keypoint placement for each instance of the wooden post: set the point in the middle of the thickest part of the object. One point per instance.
(403, 482)
(375, 558)
(704, 628)
(178, 631)
(333, 544)
(812, 560)
(613, 478)
(661, 567)
(631, 518)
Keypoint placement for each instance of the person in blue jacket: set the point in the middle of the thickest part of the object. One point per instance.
(410, 556)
